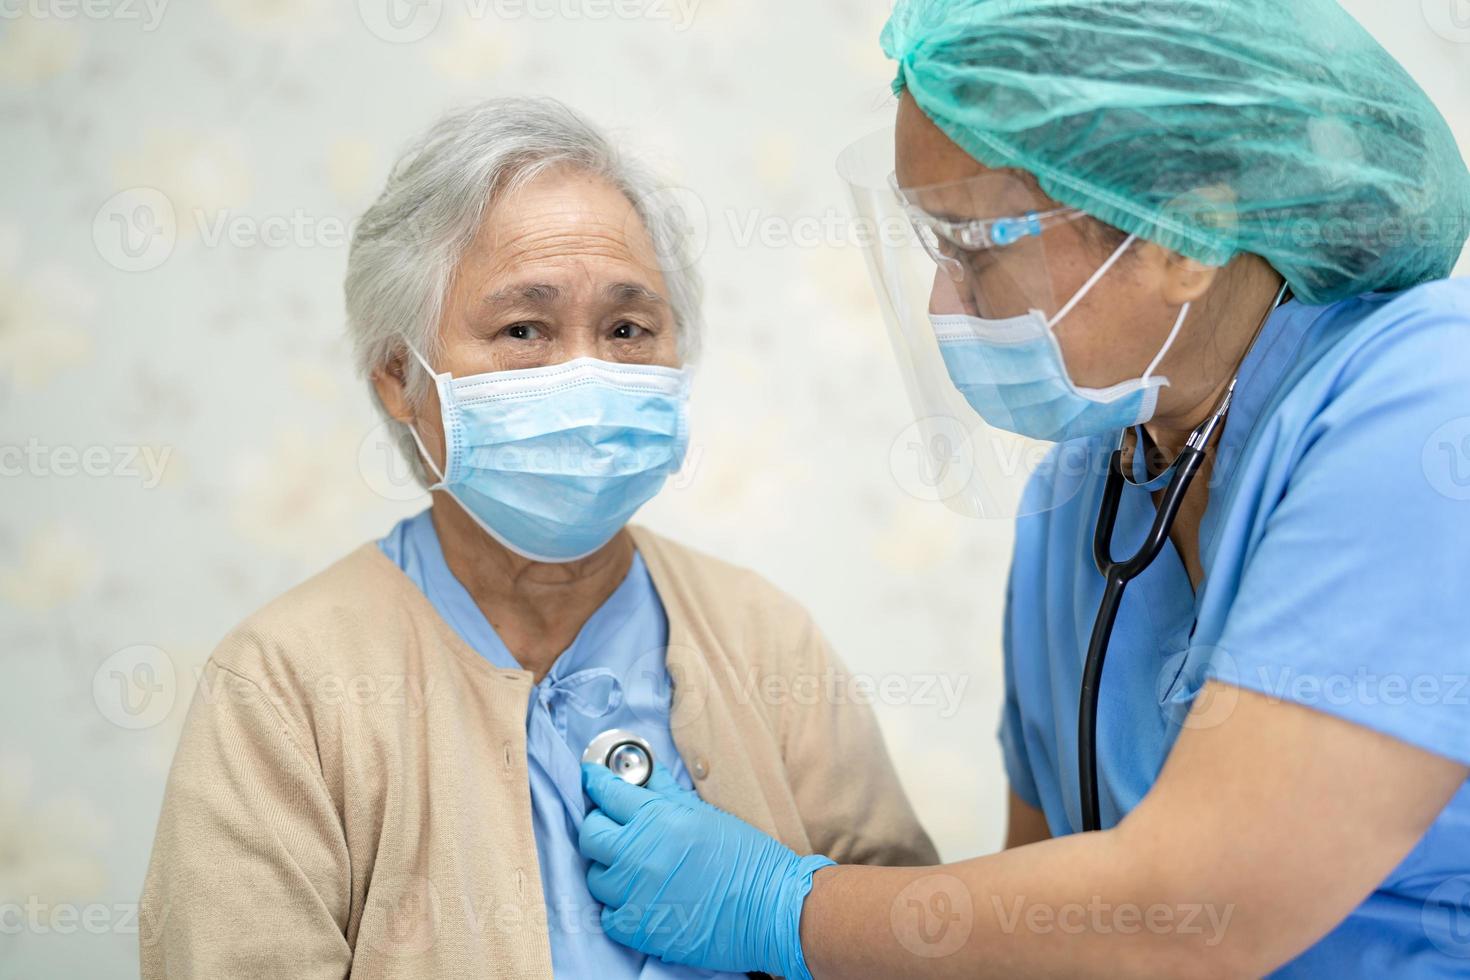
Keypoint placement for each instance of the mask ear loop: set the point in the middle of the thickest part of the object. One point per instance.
(413, 429)
(415, 352)
(1168, 343)
(1078, 296)
(424, 452)
(1132, 478)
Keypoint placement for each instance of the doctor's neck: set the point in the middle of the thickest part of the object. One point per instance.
(1231, 316)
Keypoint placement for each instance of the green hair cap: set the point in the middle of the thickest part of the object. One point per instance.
(1211, 127)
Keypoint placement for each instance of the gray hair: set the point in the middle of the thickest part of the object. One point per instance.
(406, 246)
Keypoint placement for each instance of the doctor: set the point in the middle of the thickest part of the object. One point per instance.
(1219, 228)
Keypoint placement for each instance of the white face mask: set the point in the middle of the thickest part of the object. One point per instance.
(1013, 374)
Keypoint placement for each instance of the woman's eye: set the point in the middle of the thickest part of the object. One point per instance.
(523, 331)
(627, 330)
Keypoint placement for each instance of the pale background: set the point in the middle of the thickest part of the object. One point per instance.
(278, 118)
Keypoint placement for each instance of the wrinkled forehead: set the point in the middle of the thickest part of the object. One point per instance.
(565, 214)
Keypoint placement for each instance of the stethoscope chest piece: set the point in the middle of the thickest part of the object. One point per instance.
(629, 756)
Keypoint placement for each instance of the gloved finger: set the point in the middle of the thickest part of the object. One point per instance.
(615, 922)
(663, 782)
(616, 798)
(602, 886)
(598, 838)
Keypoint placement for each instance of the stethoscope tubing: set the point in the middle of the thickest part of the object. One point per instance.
(1116, 576)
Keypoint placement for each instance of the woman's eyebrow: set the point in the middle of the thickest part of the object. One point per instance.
(632, 292)
(534, 294)
(545, 294)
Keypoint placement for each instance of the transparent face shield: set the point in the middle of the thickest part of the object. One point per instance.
(972, 248)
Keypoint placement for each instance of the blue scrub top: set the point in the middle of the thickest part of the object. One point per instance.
(612, 676)
(1336, 547)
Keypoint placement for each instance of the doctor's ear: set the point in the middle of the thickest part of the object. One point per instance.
(1179, 279)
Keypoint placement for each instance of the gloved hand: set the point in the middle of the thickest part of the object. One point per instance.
(689, 883)
(662, 782)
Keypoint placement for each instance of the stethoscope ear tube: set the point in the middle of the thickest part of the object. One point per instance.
(1117, 575)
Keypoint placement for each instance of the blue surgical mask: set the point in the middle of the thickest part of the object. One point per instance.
(553, 461)
(1013, 374)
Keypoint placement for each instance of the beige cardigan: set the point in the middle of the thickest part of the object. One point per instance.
(350, 795)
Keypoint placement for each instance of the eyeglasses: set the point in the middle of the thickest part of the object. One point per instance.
(940, 237)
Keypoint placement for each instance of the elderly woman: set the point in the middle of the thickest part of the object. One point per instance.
(380, 773)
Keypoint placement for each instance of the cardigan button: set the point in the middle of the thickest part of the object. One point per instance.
(701, 768)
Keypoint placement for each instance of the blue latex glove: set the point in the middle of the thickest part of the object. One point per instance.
(689, 883)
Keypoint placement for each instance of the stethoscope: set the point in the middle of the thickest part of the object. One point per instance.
(629, 756)
(1117, 574)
